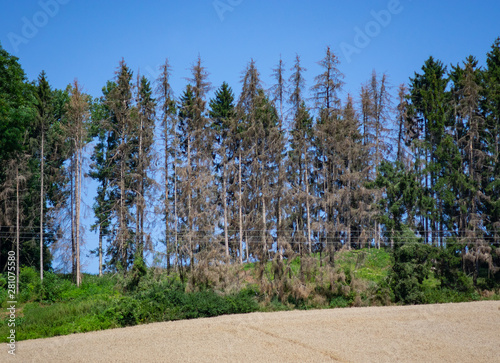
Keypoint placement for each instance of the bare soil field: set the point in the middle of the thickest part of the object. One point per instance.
(466, 332)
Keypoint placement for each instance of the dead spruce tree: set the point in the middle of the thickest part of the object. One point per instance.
(474, 158)
(260, 144)
(278, 93)
(299, 160)
(328, 110)
(44, 109)
(77, 113)
(196, 182)
(353, 205)
(376, 109)
(168, 112)
(144, 133)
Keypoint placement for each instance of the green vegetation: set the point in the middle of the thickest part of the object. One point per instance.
(58, 307)
(410, 274)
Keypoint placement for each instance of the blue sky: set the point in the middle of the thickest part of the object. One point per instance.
(86, 39)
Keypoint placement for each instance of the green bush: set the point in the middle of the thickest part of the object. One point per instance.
(29, 281)
(52, 287)
(167, 300)
(125, 311)
(412, 264)
(449, 268)
(3, 290)
(439, 295)
(50, 290)
(340, 302)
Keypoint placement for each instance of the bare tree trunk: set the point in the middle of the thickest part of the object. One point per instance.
(241, 212)
(246, 245)
(280, 186)
(141, 225)
(72, 212)
(349, 235)
(137, 228)
(279, 228)
(279, 233)
(164, 91)
(167, 251)
(175, 219)
(100, 251)
(226, 238)
(306, 182)
(77, 115)
(279, 95)
(349, 196)
(300, 238)
(378, 235)
(140, 202)
(77, 207)
(42, 199)
(122, 210)
(264, 231)
(17, 230)
(190, 225)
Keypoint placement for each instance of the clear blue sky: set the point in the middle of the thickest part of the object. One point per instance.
(87, 39)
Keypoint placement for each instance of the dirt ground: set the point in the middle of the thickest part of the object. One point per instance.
(466, 332)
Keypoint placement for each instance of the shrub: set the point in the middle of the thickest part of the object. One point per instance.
(412, 263)
(125, 311)
(52, 287)
(168, 300)
(3, 290)
(449, 268)
(29, 281)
